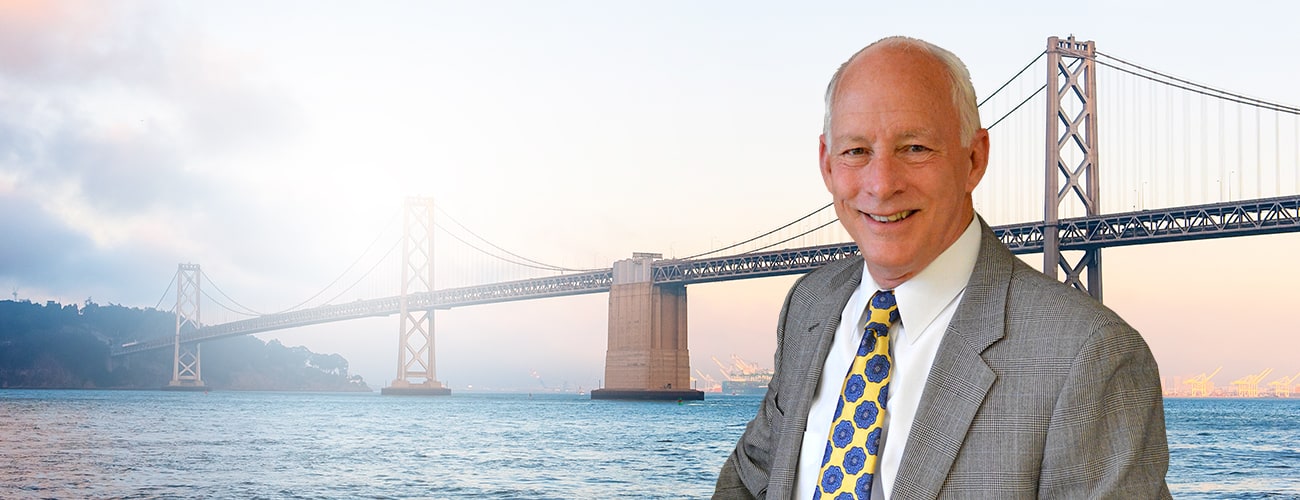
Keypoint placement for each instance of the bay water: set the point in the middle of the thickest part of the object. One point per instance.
(145, 444)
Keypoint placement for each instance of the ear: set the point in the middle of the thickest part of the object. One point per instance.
(979, 159)
(823, 161)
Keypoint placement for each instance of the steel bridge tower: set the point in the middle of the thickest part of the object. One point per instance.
(415, 352)
(1071, 155)
(186, 370)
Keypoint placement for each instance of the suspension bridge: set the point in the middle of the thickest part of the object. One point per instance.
(1184, 161)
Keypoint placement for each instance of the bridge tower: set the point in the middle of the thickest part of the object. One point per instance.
(415, 352)
(1071, 155)
(186, 370)
(646, 356)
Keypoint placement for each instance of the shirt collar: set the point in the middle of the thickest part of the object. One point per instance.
(921, 298)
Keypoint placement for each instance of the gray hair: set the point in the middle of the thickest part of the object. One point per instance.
(963, 92)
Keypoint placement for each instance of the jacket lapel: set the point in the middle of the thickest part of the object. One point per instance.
(959, 378)
(817, 331)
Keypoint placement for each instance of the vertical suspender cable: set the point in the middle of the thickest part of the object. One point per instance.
(1150, 173)
(1205, 127)
(1223, 165)
(1169, 150)
(1187, 153)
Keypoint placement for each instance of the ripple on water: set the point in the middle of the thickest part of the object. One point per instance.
(123, 444)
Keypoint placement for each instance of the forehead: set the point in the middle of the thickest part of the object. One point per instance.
(895, 83)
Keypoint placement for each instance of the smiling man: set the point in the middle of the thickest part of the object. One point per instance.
(939, 365)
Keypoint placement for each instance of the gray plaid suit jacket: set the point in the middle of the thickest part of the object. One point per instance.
(1037, 391)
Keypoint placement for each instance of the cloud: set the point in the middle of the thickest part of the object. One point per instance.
(34, 242)
(123, 140)
(45, 257)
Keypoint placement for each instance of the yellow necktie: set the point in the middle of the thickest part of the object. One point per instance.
(853, 447)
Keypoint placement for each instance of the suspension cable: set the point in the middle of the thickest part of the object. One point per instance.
(534, 264)
(223, 294)
(368, 271)
(223, 305)
(805, 233)
(170, 284)
(1265, 104)
(531, 263)
(1013, 110)
(1022, 71)
(354, 263)
(1211, 92)
(791, 223)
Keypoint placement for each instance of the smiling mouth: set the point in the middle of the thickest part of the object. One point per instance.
(892, 218)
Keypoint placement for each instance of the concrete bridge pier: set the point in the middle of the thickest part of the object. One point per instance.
(646, 356)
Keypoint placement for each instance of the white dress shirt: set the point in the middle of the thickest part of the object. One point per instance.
(926, 304)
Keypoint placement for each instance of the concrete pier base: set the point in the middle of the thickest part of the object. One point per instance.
(415, 391)
(403, 388)
(186, 388)
(648, 394)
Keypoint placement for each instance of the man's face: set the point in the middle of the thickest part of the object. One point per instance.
(894, 162)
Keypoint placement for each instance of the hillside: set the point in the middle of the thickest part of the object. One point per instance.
(67, 346)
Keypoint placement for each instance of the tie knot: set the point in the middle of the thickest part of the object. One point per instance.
(883, 299)
(881, 313)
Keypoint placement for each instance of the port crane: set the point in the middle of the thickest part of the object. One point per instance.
(1200, 385)
(709, 382)
(1282, 387)
(1248, 386)
(739, 367)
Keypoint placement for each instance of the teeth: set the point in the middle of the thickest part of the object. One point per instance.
(892, 218)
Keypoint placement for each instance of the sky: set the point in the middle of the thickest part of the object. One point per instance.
(269, 142)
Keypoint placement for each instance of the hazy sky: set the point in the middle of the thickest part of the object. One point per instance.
(269, 142)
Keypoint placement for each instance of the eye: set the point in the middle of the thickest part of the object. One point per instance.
(915, 148)
(855, 152)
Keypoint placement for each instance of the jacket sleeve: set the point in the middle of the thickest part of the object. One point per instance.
(745, 473)
(729, 486)
(1106, 438)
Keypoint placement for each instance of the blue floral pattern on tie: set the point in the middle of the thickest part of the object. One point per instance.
(863, 486)
(854, 445)
(867, 345)
(882, 300)
(853, 388)
(832, 478)
(873, 442)
(877, 368)
(854, 460)
(865, 416)
(843, 434)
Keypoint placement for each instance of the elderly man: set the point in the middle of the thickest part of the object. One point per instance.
(939, 365)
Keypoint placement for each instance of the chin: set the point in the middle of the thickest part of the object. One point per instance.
(892, 258)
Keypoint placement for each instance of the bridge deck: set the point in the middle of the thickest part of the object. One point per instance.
(1219, 220)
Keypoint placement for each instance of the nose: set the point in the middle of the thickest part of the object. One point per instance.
(883, 178)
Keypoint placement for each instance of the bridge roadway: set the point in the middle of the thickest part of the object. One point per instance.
(1219, 220)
